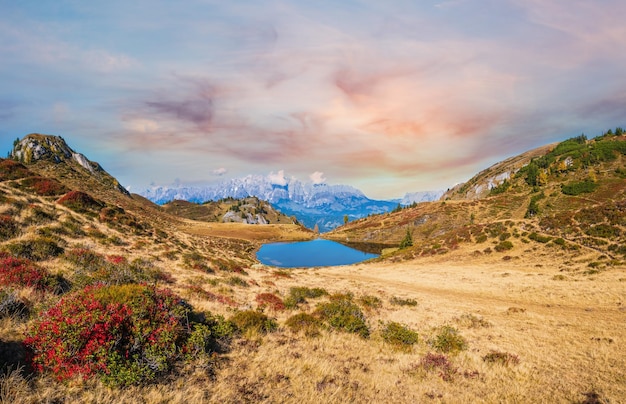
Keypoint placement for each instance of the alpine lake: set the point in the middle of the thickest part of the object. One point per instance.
(309, 254)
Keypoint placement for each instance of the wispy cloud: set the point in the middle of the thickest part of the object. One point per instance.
(405, 94)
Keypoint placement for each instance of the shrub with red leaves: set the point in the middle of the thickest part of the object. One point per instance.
(12, 170)
(80, 202)
(45, 186)
(124, 333)
(21, 272)
(270, 300)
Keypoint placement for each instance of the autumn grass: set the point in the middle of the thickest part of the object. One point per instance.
(536, 328)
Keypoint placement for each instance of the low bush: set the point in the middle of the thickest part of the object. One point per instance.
(270, 300)
(433, 362)
(577, 188)
(211, 333)
(9, 228)
(603, 230)
(398, 301)
(81, 202)
(44, 186)
(93, 268)
(448, 340)
(370, 302)
(481, 238)
(194, 260)
(342, 314)
(299, 294)
(539, 238)
(21, 272)
(304, 323)
(40, 216)
(398, 335)
(85, 258)
(237, 281)
(253, 321)
(503, 246)
(502, 358)
(37, 249)
(126, 334)
(12, 170)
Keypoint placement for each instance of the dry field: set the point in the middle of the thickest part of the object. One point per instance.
(257, 233)
(560, 335)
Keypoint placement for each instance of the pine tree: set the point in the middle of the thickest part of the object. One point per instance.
(407, 241)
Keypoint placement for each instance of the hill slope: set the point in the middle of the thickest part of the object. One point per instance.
(571, 196)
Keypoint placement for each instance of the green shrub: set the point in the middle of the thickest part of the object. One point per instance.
(448, 340)
(370, 302)
(533, 206)
(603, 230)
(250, 320)
(577, 188)
(304, 323)
(194, 260)
(299, 294)
(501, 188)
(504, 246)
(38, 249)
(481, 238)
(398, 334)
(398, 301)
(342, 314)
(237, 281)
(8, 228)
(539, 238)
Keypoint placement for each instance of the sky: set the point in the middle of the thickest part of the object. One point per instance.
(387, 96)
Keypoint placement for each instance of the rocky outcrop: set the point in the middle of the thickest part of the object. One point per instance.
(36, 148)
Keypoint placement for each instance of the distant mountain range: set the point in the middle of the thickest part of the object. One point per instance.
(312, 204)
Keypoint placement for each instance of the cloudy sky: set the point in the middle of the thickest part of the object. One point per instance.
(388, 96)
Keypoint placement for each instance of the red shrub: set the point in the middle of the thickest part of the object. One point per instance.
(12, 170)
(117, 259)
(125, 333)
(45, 186)
(80, 202)
(22, 273)
(270, 300)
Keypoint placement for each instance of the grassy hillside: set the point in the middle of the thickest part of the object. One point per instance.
(570, 197)
(177, 310)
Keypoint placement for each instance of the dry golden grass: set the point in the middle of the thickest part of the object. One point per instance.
(568, 335)
(542, 305)
(257, 233)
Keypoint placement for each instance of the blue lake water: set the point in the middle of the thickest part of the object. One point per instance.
(307, 254)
